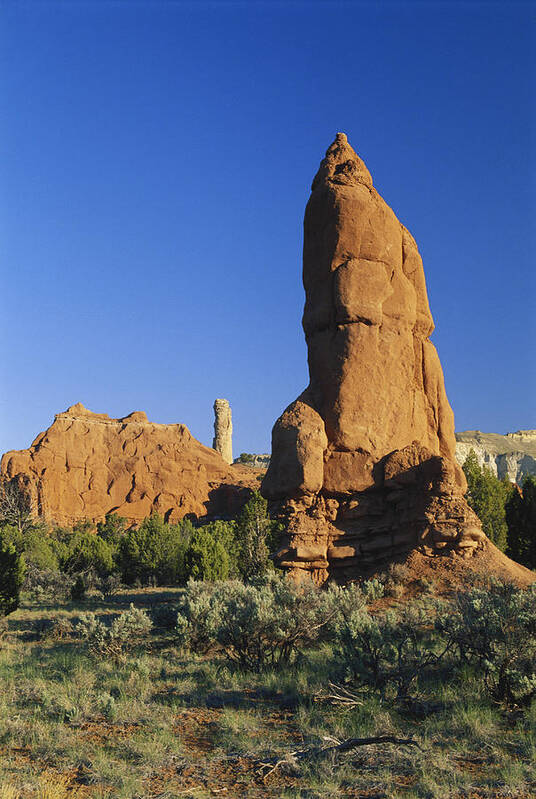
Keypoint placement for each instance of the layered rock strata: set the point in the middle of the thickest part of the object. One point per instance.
(512, 456)
(363, 467)
(223, 430)
(87, 465)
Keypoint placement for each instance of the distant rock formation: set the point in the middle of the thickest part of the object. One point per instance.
(257, 461)
(87, 465)
(512, 456)
(363, 467)
(223, 430)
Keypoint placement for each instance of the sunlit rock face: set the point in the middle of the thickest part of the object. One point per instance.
(223, 430)
(86, 465)
(363, 465)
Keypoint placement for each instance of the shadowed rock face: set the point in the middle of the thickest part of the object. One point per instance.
(87, 465)
(363, 465)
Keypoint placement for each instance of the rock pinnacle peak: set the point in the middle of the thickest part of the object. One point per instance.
(342, 165)
(358, 478)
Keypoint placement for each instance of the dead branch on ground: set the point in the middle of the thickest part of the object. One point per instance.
(338, 748)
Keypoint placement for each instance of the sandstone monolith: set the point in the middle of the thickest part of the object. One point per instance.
(363, 467)
(87, 465)
(223, 430)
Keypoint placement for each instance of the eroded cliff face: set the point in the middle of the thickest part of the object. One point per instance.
(512, 456)
(87, 465)
(363, 466)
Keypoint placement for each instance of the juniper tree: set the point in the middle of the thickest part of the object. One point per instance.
(487, 496)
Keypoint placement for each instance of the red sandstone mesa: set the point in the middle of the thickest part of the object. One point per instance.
(87, 465)
(363, 466)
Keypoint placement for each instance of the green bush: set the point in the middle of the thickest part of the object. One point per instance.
(207, 557)
(79, 588)
(521, 520)
(487, 496)
(246, 457)
(112, 529)
(154, 552)
(268, 624)
(34, 542)
(372, 589)
(387, 652)
(12, 569)
(494, 628)
(226, 533)
(83, 551)
(257, 536)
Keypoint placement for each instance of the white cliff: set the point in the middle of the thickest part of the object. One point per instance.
(512, 455)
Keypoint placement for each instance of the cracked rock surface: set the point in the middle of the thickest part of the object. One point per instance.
(87, 465)
(363, 466)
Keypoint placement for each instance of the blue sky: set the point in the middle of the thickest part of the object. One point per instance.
(156, 161)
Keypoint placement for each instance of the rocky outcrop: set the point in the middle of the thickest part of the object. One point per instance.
(256, 460)
(363, 466)
(87, 465)
(512, 456)
(223, 430)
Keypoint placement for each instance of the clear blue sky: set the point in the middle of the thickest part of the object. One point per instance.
(156, 161)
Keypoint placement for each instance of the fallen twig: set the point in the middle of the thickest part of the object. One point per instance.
(340, 747)
(340, 696)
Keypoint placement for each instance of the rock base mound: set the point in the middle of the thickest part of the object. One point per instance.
(416, 503)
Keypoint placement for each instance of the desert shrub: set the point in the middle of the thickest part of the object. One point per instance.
(267, 624)
(425, 585)
(206, 557)
(372, 589)
(54, 629)
(89, 583)
(387, 652)
(47, 584)
(257, 536)
(109, 585)
(154, 552)
(494, 628)
(125, 632)
(199, 615)
(12, 569)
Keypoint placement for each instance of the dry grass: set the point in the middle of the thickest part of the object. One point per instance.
(166, 725)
